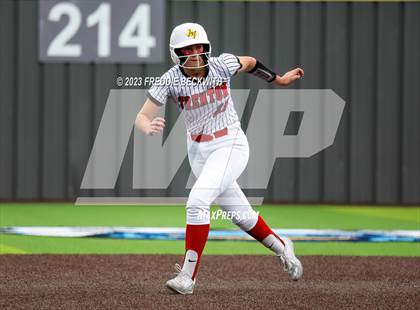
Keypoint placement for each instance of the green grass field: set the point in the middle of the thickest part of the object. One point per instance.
(322, 217)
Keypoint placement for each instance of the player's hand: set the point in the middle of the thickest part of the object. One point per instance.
(156, 126)
(289, 77)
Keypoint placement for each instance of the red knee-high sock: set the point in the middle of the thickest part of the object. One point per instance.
(195, 240)
(263, 233)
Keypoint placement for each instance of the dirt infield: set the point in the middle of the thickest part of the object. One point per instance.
(137, 282)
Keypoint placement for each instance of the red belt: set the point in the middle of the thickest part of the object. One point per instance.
(214, 135)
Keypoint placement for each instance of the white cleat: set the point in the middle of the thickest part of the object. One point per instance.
(182, 283)
(290, 262)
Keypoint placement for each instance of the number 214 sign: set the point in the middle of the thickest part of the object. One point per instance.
(117, 31)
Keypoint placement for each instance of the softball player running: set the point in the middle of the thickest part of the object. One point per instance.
(217, 147)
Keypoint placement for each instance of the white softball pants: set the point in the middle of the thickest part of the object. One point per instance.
(217, 164)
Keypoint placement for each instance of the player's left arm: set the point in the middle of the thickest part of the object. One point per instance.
(253, 66)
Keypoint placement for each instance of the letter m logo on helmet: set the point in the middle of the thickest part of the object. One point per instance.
(191, 33)
(185, 35)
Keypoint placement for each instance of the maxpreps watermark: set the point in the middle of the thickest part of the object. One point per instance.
(226, 215)
(274, 115)
(148, 81)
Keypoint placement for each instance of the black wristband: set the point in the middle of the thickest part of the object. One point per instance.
(263, 72)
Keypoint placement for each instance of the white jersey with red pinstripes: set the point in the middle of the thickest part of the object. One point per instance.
(207, 105)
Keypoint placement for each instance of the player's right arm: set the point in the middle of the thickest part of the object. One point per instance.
(147, 120)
